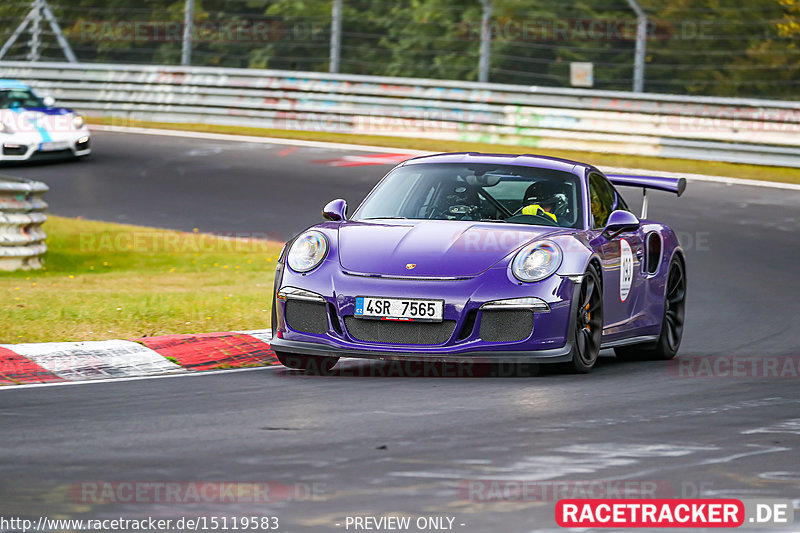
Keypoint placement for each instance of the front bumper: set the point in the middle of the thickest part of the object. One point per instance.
(555, 355)
(31, 147)
(549, 340)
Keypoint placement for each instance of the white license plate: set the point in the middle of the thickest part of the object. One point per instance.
(53, 146)
(407, 309)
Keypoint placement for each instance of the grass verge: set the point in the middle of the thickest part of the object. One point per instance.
(112, 281)
(714, 168)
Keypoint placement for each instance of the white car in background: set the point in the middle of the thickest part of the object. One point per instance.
(32, 128)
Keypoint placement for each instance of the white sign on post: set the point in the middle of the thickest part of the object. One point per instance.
(581, 74)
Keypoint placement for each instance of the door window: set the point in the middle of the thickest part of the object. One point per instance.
(602, 199)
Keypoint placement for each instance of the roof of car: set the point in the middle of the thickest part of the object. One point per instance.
(13, 84)
(527, 160)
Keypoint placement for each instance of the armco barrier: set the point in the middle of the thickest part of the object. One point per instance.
(22, 213)
(725, 129)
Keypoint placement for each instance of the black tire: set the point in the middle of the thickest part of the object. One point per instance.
(588, 326)
(313, 364)
(669, 340)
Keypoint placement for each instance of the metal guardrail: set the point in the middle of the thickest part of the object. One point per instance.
(723, 129)
(22, 213)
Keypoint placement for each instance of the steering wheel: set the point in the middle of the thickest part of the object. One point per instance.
(437, 213)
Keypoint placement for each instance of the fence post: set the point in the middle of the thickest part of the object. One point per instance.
(486, 41)
(336, 35)
(641, 46)
(188, 29)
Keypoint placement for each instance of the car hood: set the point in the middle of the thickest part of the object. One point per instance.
(32, 119)
(435, 248)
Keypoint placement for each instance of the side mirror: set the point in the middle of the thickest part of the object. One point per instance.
(620, 221)
(335, 210)
(49, 101)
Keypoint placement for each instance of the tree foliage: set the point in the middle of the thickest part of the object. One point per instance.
(710, 47)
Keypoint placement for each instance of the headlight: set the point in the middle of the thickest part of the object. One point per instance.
(536, 261)
(77, 122)
(307, 251)
(5, 128)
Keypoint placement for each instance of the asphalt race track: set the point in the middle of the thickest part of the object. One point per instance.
(369, 442)
(185, 183)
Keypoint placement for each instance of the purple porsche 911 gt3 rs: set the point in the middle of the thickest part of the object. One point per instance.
(483, 258)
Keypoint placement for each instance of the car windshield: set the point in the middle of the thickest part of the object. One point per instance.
(12, 98)
(495, 193)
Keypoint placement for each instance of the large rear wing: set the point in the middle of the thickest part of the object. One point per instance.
(658, 183)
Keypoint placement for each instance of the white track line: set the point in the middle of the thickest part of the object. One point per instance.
(366, 148)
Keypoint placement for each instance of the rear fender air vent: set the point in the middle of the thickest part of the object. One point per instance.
(653, 252)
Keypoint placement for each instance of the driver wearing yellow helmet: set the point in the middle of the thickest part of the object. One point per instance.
(546, 199)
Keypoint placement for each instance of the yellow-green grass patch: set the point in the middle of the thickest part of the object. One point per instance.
(113, 281)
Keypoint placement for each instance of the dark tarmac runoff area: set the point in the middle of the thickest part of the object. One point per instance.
(720, 421)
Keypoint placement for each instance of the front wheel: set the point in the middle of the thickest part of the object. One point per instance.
(313, 364)
(666, 347)
(588, 328)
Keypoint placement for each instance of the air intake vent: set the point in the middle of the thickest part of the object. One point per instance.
(392, 332)
(506, 326)
(307, 317)
(14, 149)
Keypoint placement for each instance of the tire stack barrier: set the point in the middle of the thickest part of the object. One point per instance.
(22, 213)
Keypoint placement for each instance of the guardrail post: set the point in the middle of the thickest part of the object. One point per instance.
(486, 40)
(22, 213)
